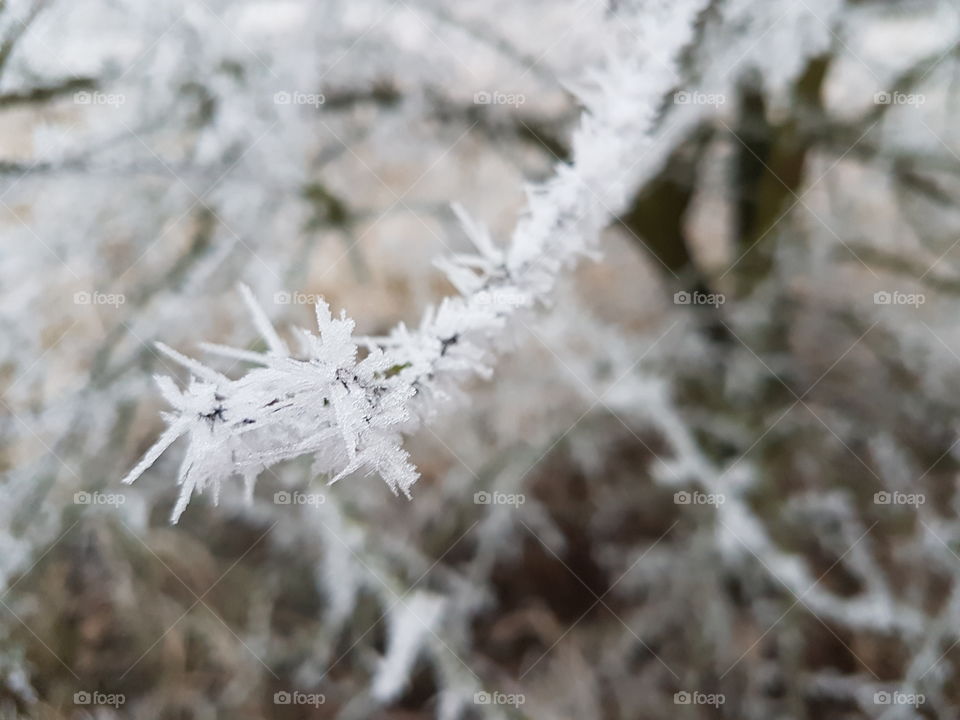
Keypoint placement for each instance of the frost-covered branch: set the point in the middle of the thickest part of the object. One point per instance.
(347, 401)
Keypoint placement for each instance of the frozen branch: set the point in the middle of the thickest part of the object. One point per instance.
(348, 401)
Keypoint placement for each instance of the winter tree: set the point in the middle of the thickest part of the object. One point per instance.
(408, 359)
